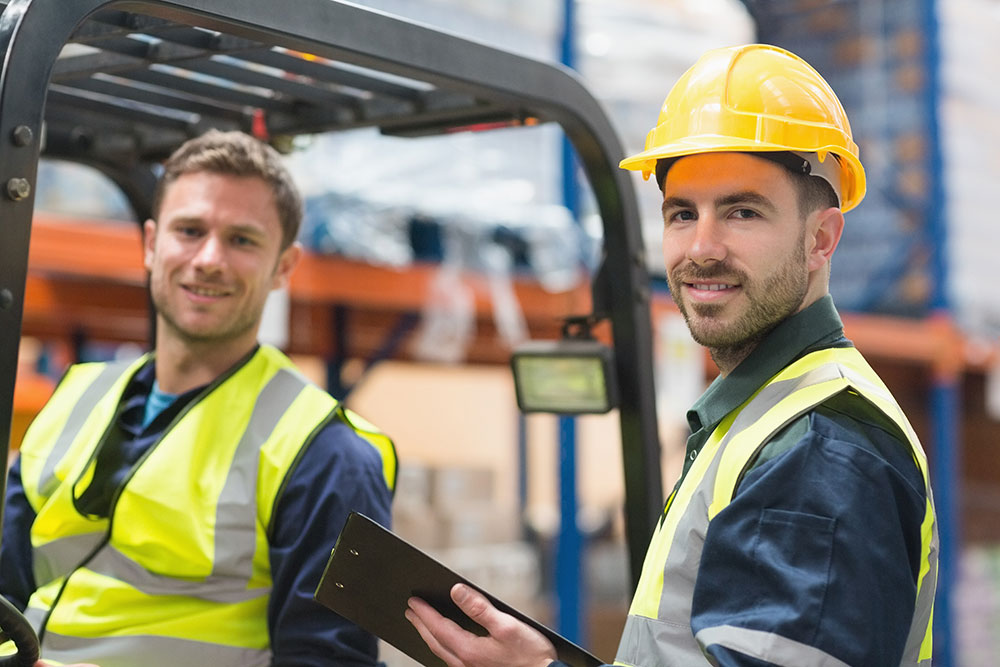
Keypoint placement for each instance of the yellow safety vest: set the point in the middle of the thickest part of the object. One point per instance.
(179, 573)
(658, 629)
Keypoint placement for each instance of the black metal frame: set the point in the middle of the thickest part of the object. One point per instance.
(127, 105)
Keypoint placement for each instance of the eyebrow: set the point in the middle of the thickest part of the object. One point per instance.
(742, 197)
(239, 228)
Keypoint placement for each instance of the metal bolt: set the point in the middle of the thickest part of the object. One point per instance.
(18, 188)
(6, 299)
(22, 135)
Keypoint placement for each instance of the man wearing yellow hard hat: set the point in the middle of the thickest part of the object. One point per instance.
(802, 529)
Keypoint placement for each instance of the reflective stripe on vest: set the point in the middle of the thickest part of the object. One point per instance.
(658, 629)
(193, 580)
(88, 401)
(155, 651)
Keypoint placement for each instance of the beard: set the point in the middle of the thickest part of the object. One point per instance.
(770, 300)
(220, 332)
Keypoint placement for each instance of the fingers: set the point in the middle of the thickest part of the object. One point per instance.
(509, 643)
(417, 612)
(500, 626)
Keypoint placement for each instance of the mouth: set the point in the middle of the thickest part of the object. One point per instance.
(707, 292)
(205, 292)
(710, 287)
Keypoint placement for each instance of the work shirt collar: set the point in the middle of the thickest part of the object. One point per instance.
(815, 327)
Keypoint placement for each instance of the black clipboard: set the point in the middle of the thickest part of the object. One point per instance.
(371, 574)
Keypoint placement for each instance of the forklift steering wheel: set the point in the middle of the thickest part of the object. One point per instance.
(15, 627)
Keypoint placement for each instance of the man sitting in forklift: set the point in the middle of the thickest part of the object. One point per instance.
(802, 530)
(179, 509)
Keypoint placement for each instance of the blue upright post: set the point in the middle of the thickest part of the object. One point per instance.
(569, 605)
(569, 550)
(945, 476)
(946, 391)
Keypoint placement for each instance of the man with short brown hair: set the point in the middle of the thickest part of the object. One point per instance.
(180, 509)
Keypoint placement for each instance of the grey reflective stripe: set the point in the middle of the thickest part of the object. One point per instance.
(236, 510)
(650, 642)
(149, 651)
(766, 646)
(236, 513)
(774, 393)
(925, 603)
(36, 617)
(58, 558)
(112, 563)
(47, 482)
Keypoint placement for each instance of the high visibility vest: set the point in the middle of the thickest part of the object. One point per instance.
(658, 628)
(179, 573)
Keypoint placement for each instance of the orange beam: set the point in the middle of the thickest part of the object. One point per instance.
(90, 274)
(98, 249)
(934, 342)
(330, 279)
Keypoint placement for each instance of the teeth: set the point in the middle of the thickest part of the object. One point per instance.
(204, 291)
(715, 287)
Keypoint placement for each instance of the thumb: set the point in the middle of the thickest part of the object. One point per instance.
(474, 604)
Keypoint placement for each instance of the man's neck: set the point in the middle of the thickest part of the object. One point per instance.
(728, 358)
(181, 366)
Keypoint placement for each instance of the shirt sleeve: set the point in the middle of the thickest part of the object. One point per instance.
(816, 559)
(17, 577)
(339, 472)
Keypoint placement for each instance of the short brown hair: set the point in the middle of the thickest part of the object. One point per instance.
(236, 154)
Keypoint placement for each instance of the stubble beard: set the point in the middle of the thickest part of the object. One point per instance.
(768, 303)
(222, 334)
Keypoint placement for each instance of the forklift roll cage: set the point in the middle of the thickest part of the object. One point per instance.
(158, 72)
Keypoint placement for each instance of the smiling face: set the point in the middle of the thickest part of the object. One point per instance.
(213, 255)
(740, 255)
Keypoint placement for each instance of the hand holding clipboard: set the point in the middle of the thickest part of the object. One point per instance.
(371, 575)
(508, 642)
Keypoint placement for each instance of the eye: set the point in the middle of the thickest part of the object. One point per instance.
(680, 215)
(190, 231)
(745, 214)
(244, 241)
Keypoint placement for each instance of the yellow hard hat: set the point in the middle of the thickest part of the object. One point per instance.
(754, 98)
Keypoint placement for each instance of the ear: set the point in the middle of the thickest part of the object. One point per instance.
(287, 261)
(148, 243)
(825, 227)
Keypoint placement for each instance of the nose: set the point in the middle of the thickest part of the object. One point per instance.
(210, 254)
(707, 244)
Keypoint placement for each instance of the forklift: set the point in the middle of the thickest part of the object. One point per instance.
(124, 98)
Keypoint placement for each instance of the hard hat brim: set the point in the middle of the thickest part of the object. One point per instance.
(853, 172)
